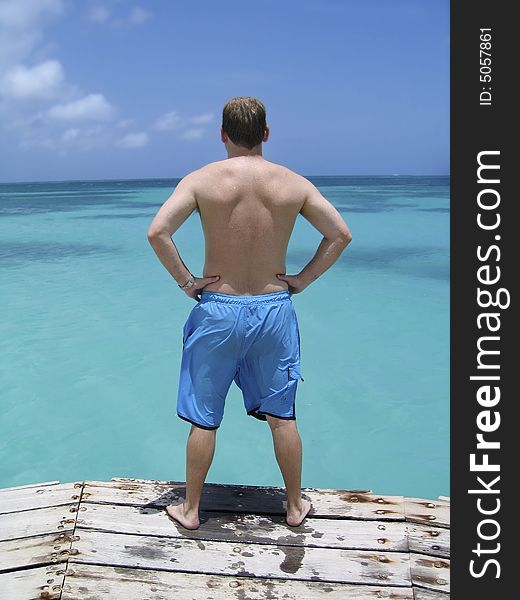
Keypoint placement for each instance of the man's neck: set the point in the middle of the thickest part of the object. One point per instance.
(236, 152)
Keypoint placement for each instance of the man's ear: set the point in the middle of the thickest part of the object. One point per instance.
(266, 133)
(223, 135)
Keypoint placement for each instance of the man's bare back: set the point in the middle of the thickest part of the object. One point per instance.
(248, 207)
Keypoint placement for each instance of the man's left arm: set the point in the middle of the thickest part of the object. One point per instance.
(172, 214)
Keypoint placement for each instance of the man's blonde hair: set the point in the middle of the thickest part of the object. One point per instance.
(243, 119)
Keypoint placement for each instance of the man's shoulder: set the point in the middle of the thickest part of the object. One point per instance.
(201, 171)
(222, 168)
(205, 173)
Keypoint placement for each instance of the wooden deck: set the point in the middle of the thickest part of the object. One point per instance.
(91, 540)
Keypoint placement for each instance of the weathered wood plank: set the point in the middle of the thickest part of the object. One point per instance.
(29, 584)
(436, 513)
(425, 539)
(345, 533)
(249, 499)
(170, 482)
(430, 572)
(353, 543)
(94, 581)
(27, 498)
(28, 485)
(422, 594)
(225, 558)
(34, 551)
(55, 519)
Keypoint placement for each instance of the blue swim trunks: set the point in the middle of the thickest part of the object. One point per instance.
(252, 340)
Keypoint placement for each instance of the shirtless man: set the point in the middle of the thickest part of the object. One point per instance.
(244, 326)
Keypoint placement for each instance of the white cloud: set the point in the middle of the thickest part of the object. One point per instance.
(133, 140)
(40, 81)
(123, 123)
(21, 23)
(170, 120)
(38, 105)
(202, 119)
(102, 14)
(84, 139)
(93, 107)
(72, 138)
(98, 14)
(191, 135)
(21, 14)
(70, 134)
(138, 16)
(40, 142)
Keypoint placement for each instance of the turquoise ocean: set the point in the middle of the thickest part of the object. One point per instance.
(91, 340)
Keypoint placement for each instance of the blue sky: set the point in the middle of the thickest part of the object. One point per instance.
(120, 89)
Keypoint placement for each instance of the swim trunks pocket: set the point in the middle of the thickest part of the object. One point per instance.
(294, 372)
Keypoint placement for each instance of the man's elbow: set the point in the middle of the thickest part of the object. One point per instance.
(152, 236)
(155, 234)
(345, 237)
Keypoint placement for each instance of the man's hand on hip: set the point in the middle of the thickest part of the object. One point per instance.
(200, 282)
(295, 283)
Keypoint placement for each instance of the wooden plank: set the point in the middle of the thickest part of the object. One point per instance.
(445, 498)
(27, 498)
(433, 512)
(249, 499)
(430, 572)
(40, 582)
(422, 594)
(28, 485)
(38, 550)
(94, 581)
(55, 519)
(425, 539)
(345, 533)
(238, 559)
(231, 485)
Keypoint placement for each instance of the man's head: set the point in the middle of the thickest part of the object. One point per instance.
(244, 122)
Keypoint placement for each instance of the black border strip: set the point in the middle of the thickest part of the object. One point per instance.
(477, 128)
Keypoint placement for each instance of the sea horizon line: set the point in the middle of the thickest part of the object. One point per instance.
(179, 178)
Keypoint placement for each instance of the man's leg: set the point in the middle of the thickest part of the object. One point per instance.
(200, 449)
(288, 452)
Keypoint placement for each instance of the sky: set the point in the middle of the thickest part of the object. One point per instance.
(116, 89)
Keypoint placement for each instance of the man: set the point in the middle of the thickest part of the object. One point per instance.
(244, 326)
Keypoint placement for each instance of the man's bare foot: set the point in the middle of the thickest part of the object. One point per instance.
(189, 520)
(295, 517)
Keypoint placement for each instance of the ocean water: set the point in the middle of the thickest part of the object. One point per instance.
(91, 340)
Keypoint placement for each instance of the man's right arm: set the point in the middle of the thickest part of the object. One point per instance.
(336, 236)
